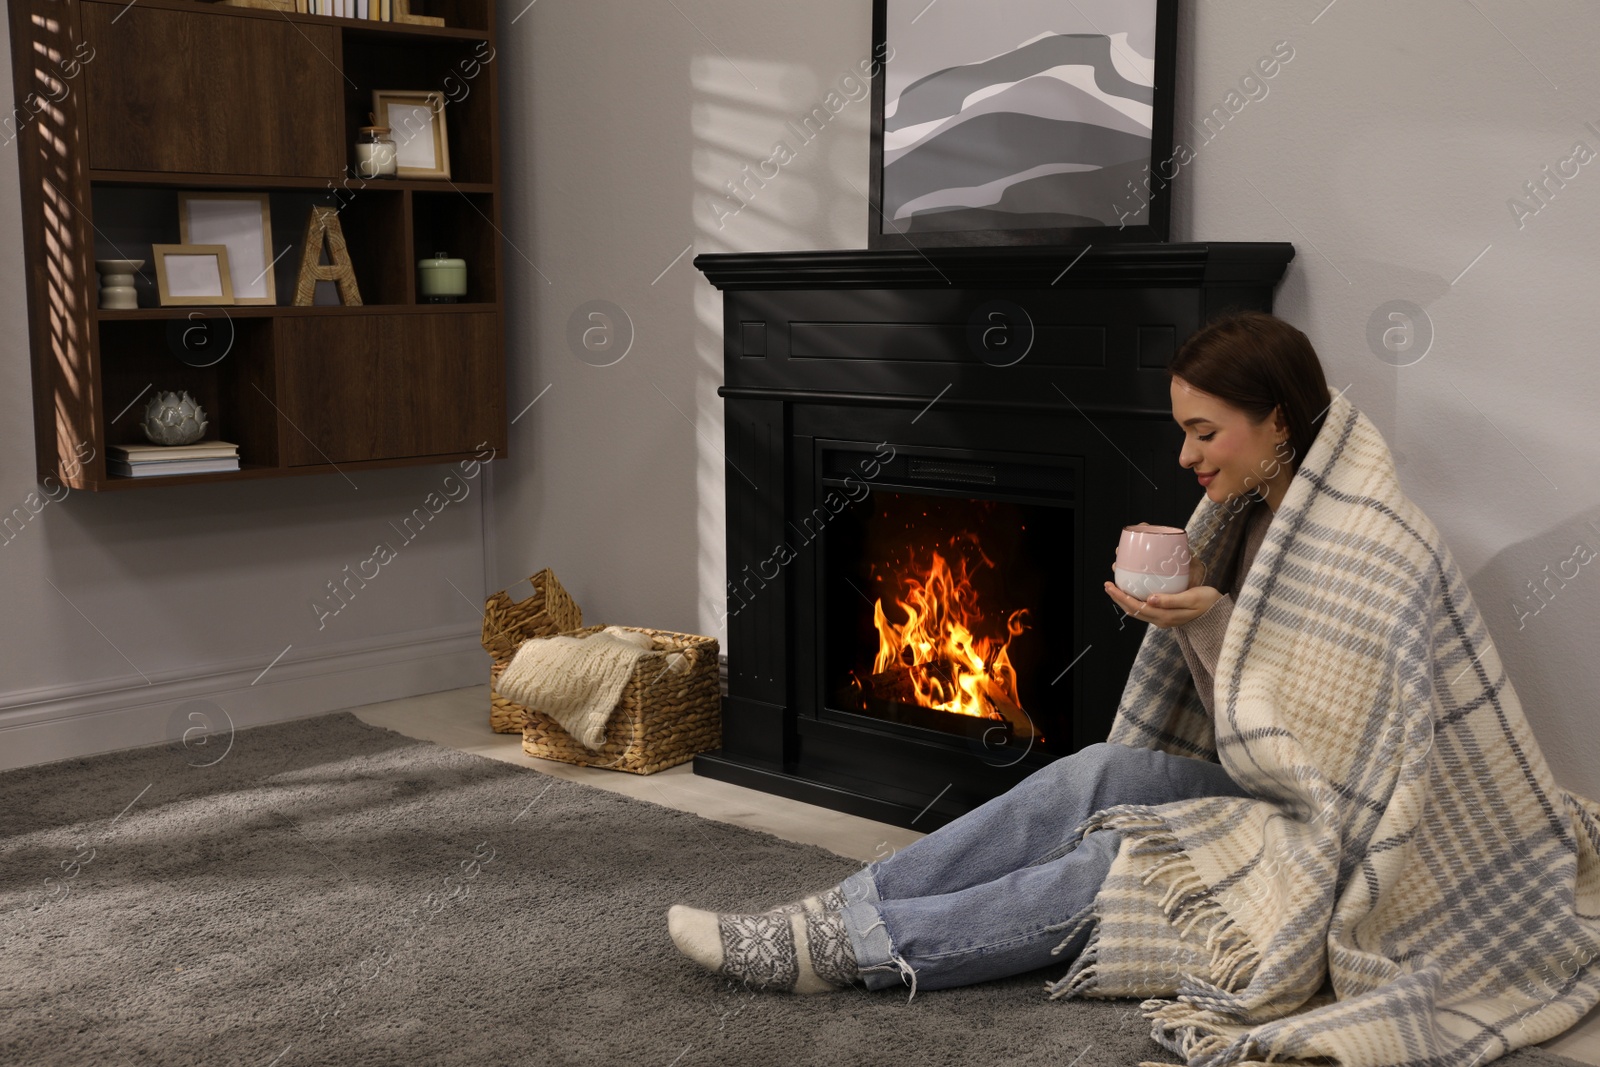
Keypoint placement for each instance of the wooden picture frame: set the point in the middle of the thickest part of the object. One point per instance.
(242, 222)
(992, 140)
(184, 277)
(402, 13)
(416, 122)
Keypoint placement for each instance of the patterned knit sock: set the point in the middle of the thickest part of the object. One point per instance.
(830, 899)
(798, 951)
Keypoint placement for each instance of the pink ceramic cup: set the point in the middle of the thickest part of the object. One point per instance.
(1152, 559)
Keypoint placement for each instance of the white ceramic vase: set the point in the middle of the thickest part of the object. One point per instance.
(116, 283)
(173, 419)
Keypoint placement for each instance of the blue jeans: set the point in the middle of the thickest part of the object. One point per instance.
(973, 900)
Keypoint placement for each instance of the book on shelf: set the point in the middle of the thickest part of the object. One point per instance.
(140, 454)
(156, 468)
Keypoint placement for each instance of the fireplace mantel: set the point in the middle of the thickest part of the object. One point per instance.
(1039, 372)
(1202, 264)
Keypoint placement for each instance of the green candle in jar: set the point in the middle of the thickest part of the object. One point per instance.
(441, 280)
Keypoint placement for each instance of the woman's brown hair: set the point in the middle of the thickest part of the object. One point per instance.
(1256, 362)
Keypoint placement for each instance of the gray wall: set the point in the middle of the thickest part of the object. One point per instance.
(1385, 150)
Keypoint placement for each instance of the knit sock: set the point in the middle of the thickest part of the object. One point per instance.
(830, 899)
(798, 951)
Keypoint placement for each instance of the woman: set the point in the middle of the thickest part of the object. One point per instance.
(981, 898)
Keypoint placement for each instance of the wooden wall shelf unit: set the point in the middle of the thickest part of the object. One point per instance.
(122, 106)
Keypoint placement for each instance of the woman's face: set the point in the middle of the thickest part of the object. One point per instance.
(1229, 454)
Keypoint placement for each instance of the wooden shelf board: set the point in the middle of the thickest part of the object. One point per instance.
(363, 26)
(254, 471)
(245, 472)
(263, 311)
(347, 182)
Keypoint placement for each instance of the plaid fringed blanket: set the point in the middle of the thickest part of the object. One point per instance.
(1407, 884)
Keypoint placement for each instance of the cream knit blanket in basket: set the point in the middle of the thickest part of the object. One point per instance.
(577, 681)
(1408, 884)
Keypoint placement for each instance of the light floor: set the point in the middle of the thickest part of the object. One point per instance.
(459, 719)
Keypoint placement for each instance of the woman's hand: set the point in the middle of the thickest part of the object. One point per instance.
(1170, 609)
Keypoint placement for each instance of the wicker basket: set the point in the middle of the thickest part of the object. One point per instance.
(549, 611)
(664, 717)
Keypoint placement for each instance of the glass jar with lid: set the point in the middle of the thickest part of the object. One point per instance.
(376, 156)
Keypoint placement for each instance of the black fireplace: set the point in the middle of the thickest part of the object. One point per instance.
(930, 456)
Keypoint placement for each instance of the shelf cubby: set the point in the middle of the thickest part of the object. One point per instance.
(454, 68)
(375, 223)
(462, 14)
(235, 391)
(461, 225)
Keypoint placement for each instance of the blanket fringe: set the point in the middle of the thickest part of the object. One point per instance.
(1176, 1021)
(1213, 1050)
(1072, 924)
(1081, 974)
(1186, 901)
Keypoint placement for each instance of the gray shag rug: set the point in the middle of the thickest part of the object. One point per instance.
(327, 892)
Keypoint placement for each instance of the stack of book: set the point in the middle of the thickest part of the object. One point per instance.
(373, 10)
(145, 461)
(379, 10)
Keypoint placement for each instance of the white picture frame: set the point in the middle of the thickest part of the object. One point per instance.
(192, 275)
(241, 222)
(417, 126)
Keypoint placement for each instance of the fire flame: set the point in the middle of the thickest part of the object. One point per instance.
(938, 648)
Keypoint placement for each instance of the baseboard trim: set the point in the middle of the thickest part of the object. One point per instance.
(66, 722)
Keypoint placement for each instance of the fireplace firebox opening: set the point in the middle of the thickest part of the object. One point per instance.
(949, 608)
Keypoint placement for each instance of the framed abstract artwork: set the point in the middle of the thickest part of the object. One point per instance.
(1030, 122)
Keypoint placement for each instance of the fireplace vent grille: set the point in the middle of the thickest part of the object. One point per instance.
(1053, 477)
(966, 473)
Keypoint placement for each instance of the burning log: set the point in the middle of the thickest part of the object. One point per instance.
(902, 685)
(905, 684)
(939, 656)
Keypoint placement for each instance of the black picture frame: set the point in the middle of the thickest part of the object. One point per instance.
(1155, 181)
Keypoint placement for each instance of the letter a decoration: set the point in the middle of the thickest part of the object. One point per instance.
(323, 228)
